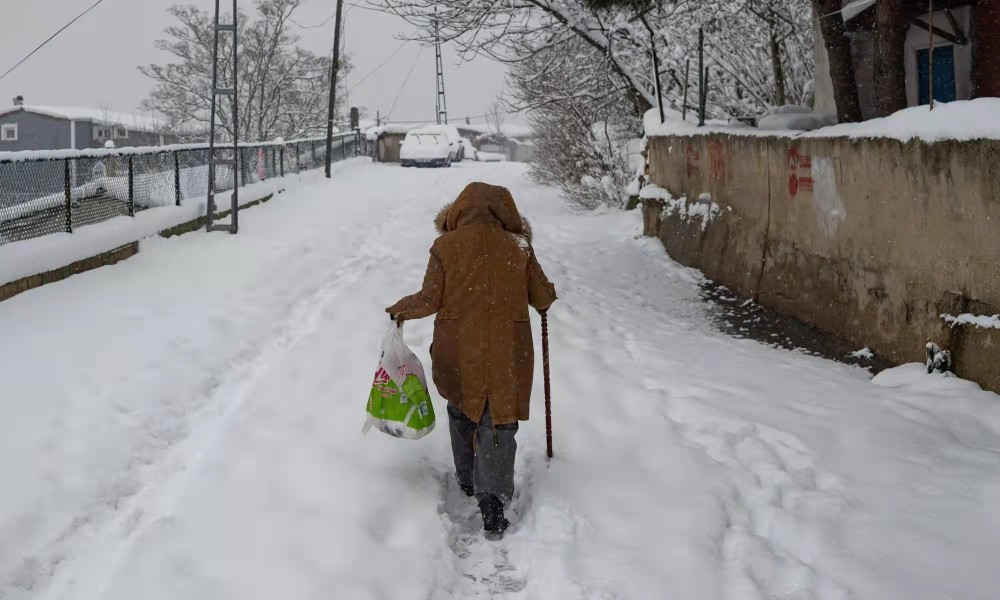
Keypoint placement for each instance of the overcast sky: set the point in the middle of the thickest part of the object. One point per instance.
(93, 63)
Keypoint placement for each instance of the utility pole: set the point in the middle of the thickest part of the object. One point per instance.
(333, 88)
(442, 104)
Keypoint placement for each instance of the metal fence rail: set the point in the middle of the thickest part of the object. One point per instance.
(50, 192)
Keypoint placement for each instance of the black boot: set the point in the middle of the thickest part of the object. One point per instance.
(494, 523)
(468, 490)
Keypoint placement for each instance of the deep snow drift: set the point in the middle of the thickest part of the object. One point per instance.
(187, 424)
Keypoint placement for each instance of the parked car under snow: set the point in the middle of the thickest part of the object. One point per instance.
(425, 150)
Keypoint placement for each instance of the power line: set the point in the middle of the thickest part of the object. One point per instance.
(380, 65)
(54, 35)
(324, 23)
(405, 81)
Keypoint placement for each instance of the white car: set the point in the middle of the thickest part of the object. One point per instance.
(450, 132)
(468, 150)
(422, 149)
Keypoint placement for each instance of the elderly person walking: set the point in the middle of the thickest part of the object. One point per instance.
(480, 281)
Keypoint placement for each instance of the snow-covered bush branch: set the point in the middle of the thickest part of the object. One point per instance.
(582, 127)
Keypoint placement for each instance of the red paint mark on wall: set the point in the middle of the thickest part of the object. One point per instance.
(799, 162)
(718, 152)
(693, 160)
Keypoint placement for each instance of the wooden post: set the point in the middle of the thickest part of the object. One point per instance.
(702, 84)
(687, 74)
(930, 51)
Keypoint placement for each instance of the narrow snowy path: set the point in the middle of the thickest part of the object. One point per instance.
(186, 424)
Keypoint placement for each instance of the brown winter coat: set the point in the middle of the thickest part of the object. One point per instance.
(480, 280)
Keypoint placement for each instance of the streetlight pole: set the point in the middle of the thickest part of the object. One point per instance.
(333, 88)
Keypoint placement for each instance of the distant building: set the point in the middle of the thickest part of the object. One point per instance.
(965, 55)
(28, 127)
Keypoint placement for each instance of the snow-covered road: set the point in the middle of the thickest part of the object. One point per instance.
(187, 424)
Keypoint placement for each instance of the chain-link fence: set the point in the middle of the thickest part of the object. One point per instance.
(60, 191)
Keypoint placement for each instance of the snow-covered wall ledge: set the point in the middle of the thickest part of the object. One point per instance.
(38, 261)
(868, 239)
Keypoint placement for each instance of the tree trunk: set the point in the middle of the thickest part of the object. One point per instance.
(780, 97)
(838, 47)
(890, 56)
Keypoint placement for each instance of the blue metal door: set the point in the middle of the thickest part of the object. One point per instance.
(944, 74)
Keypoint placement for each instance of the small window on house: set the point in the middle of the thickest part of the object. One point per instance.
(100, 133)
(121, 133)
(8, 133)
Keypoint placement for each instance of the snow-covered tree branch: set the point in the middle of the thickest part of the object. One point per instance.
(283, 88)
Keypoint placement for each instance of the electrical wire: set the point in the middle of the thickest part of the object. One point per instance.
(405, 81)
(381, 64)
(54, 35)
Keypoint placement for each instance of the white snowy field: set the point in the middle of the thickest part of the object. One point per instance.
(187, 424)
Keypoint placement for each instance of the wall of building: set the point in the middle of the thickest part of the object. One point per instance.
(986, 32)
(36, 132)
(918, 39)
(869, 240)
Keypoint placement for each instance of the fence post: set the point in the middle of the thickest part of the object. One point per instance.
(298, 161)
(343, 147)
(131, 188)
(312, 144)
(282, 160)
(69, 198)
(177, 178)
(244, 166)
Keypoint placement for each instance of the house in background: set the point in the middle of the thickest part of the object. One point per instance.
(514, 142)
(965, 55)
(28, 127)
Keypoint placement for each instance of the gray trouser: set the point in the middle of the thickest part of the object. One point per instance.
(484, 454)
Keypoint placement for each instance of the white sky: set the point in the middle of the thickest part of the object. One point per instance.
(93, 63)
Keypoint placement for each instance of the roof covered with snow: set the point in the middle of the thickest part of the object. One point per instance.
(511, 130)
(95, 115)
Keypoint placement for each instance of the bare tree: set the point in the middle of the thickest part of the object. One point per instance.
(283, 88)
(890, 56)
(581, 125)
(737, 54)
(838, 47)
(495, 117)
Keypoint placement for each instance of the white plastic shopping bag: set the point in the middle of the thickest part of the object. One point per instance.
(399, 403)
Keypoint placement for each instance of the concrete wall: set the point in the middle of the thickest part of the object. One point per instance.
(869, 240)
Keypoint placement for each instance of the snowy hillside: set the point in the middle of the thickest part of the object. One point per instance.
(187, 424)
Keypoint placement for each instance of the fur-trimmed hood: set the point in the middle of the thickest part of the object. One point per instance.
(482, 203)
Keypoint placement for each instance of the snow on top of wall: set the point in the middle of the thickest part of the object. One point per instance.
(96, 115)
(853, 8)
(963, 120)
(960, 121)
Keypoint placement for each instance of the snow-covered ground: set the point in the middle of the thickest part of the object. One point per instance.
(187, 424)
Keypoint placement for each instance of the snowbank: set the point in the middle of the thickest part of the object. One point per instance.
(490, 157)
(794, 117)
(958, 121)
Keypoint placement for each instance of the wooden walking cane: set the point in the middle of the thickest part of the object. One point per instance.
(548, 386)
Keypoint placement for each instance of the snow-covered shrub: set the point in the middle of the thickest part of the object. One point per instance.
(583, 122)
